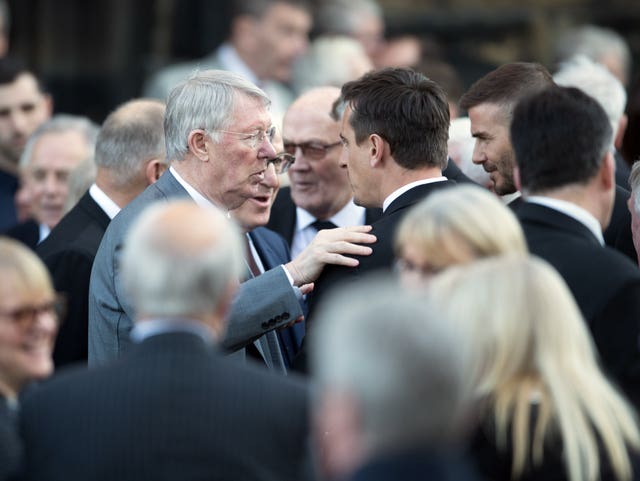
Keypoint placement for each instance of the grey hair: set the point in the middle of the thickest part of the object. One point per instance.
(342, 16)
(205, 100)
(594, 42)
(597, 82)
(59, 124)
(169, 271)
(131, 135)
(399, 360)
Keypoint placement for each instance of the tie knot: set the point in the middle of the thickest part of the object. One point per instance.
(323, 224)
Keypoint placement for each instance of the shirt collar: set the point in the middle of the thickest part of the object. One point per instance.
(106, 204)
(572, 210)
(398, 192)
(153, 327)
(198, 198)
(350, 214)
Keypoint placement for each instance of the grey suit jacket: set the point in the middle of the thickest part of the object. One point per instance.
(262, 304)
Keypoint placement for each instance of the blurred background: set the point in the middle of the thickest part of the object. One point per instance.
(94, 55)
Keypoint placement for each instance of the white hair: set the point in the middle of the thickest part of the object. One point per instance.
(597, 82)
(203, 101)
(171, 268)
(389, 350)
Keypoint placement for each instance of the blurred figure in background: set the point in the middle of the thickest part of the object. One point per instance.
(332, 60)
(130, 155)
(602, 45)
(545, 408)
(633, 205)
(29, 311)
(390, 398)
(24, 106)
(52, 152)
(266, 37)
(456, 226)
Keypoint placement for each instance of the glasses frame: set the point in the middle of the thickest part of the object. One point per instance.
(306, 146)
(281, 162)
(25, 316)
(252, 139)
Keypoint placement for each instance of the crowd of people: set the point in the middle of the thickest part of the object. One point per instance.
(167, 311)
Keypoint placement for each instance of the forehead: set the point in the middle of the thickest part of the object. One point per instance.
(23, 89)
(59, 149)
(248, 113)
(488, 116)
(310, 121)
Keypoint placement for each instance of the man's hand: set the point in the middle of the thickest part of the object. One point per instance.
(330, 246)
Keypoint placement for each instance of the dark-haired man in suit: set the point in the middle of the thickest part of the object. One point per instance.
(569, 189)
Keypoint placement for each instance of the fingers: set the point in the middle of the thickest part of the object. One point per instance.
(306, 288)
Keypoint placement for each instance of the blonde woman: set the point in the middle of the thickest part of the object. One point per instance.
(547, 411)
(455, 226)
(28, 325)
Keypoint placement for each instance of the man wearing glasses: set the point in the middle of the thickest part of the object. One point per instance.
(319, 196)
(218, 133)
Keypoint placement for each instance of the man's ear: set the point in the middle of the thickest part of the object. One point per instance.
(607, 171)
(619, 134)
(516, 178)
(153, 170)
(377, 147)
(196, 142)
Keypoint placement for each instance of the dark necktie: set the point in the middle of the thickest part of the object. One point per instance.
(248, 257)
(323, 224)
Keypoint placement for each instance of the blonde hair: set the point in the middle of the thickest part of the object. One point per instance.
(460, 224)
(527, 340)
(23, 268)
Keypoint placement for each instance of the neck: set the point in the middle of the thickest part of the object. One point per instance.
(7, 391)
(401, 177)
(583, 196)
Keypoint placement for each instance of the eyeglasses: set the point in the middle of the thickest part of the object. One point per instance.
(281, 162)
(408, 267)
(253, 139)
(24, 317)
(312, 150)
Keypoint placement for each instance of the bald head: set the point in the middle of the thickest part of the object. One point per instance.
(318, 184)
(131, 137)
(180, 261)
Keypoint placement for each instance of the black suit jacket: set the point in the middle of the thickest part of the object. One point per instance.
(68, 253)
(605, 284)
(10, 444)
(171, 408)
(283, 215)
(381, 258)
(27, 232)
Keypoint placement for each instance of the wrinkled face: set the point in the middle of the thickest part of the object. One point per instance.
(23, 108)
(490, 128)
(281, 36)
(355, 158)
(318, 183)
(25, 344)
(370, 33)
(236, 170)
(53, 158)
(635, 221)
(255, 211)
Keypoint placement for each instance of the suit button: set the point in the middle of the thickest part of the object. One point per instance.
(272, 322)
(285, 316)
(265, 325)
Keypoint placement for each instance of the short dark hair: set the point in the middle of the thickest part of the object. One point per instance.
(559, 137)
(507, 84)
(12, 67)
(406, 109)
(257, 8)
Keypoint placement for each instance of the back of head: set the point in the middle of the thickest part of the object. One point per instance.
(406, 109)
(527, 340)
(179, 260)
(600, 44)
(393, 355)
(330, 61)
(460, 225)
(203, 101)
(594, 80)
(560, 137)
(258, 8)
(129, 137)
(506, 85)
(341, 17)
(59, 124)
